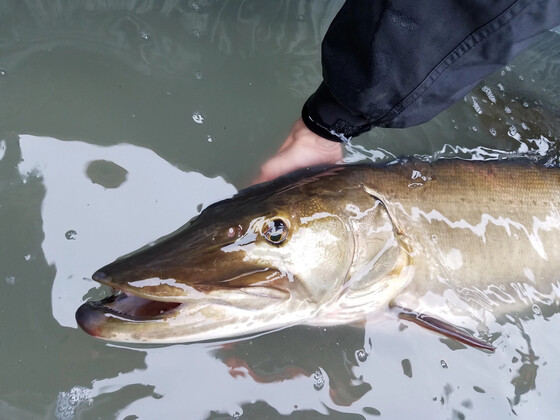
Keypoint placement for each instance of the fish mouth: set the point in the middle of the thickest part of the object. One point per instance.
(133, 307)
(121, 307)
(136, 316)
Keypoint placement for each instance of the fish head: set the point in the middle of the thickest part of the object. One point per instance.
(269, 257)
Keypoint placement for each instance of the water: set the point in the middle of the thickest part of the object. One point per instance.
(100, 154)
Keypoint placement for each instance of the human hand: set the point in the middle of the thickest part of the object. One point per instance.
(302, 148)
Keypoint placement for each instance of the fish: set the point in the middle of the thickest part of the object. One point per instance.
(451, 246)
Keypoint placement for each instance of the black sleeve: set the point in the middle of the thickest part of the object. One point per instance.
(398, 63)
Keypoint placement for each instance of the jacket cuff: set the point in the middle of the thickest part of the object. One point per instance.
(324, 115)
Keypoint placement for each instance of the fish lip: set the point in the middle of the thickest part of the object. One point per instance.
(89, 319)
(125, 303)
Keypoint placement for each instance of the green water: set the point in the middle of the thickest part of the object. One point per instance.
(119, 119)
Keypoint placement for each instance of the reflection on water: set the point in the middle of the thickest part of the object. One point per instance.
(103, 73)
(334, 349)
(88, 222)
(138, 71)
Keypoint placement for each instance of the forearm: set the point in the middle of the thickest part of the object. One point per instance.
(398, 63)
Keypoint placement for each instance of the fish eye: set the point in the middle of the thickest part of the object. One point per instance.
(275, 231)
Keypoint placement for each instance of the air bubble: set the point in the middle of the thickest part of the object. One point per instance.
(512, 132)
(361, 355)
(27, 257)
(536, 310)
(197, 118)
(73, 400)
(2, 149)
(493, 131)
(489, 94)
(145, 35)
(476, 106)
(415, 185)
(71, 235)
(2, 72)
(209, 138)
(68, 402)
(443, 364)
(318, 380)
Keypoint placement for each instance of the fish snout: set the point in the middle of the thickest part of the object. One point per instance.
(101, 277)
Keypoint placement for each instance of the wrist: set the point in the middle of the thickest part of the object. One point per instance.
(326, 117)
(322, 144)
(303, 135)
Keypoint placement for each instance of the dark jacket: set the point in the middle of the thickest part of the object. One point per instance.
(398, 63)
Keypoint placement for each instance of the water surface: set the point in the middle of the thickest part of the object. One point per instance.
(119, 121)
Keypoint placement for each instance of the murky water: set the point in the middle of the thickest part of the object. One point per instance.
(120, 120)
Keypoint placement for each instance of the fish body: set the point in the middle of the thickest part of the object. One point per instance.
(333, 245)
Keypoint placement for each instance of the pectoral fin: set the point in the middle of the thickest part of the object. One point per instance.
(445, 328)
